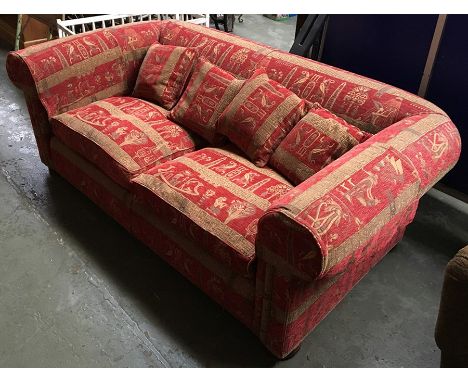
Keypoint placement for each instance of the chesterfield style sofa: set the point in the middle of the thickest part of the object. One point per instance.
(278, 256)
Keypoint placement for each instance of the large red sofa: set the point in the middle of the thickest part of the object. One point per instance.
(301, 247)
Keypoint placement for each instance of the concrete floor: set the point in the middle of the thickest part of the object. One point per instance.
(77, 290)
(278, 34)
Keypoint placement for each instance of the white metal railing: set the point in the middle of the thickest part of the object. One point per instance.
(85, 24)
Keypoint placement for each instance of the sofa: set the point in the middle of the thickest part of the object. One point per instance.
(283, 255)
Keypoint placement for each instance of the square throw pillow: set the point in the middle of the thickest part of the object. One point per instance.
(208, 93)
(260, 116)
(163, 74)
(317, 139)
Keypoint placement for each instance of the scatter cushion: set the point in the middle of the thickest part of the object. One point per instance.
(122, 136)
(260, 116)
(214, 196)
(208, 93)
(317, 139)
(164, 73)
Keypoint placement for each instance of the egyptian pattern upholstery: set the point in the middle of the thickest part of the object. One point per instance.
(164, 73)
(123, 136)
(260, 116)
(315, 141)
(216, 197)
(207, 95)
(231, 53)
(315, 242)
(371, 105)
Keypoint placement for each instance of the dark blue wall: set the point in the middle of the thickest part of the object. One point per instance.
(390, 48)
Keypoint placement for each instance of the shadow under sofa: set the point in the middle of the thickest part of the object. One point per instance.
(312, 244)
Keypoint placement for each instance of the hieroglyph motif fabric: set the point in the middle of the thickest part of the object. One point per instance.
(74, 71)
(216, 197)
(369, 104)
(122, 135)
(234, 54)
(229, 289)
(260, 116)
(318, 139)
(208, 93)
(164, 73)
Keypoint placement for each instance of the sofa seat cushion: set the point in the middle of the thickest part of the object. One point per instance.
(260, 116)
(318, 139)
(123, 136)
(164, 73)
(214, 196)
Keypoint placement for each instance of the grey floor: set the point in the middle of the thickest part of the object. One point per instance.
(77, 290)
(278, 34)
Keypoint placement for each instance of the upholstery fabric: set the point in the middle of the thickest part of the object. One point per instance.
(314, 242)
(123, 136)
(287, 309)
(260, 116)
(316, 140)
(208, 93)
(357, 193)
(164, 73)
(231, 290)
(215, 197)
(74, 71)
(368, 104)
(234, 54)
(345, 218)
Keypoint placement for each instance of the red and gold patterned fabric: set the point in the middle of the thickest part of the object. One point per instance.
(368, 104)
(123, 136)
(314, 242)
(318, 139)
(260, 116)
(77, 70)
(234, 54)
(215, 197)
(208, 93)
(338, 223)
(164, 73)
(225, 286)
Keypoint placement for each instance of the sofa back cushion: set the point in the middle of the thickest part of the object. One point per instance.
(164, 73)
(231, 53)
(208, 93)
(260, 116)
(317, 139)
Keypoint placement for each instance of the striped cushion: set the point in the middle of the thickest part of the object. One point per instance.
(163, 74)
(208, 93)
(318, 139)
(122, 136)
(260, 116)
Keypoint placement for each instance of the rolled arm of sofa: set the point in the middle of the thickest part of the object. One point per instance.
(76, 70)
(359, 204)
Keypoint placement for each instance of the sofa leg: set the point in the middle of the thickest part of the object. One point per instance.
(292, 354)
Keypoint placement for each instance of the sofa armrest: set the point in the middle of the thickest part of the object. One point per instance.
(74, 71)
(357, 204)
